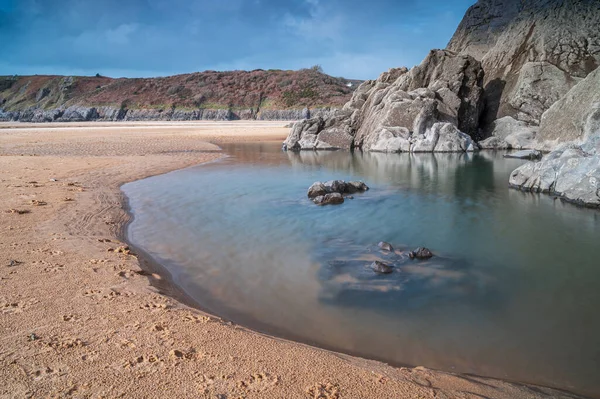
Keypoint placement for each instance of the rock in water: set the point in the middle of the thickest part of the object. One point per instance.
(356, 187)
(381, 268)
(420, 253)
(335, 186)
(525, 154)
(386, 246)
(316, 190)
(571, 172)
(329, 199)
(319, 189)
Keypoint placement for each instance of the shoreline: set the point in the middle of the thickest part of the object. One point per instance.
(100, 328)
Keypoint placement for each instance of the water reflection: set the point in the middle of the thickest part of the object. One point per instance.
(511, 293)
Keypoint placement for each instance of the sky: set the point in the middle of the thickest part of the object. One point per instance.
(355, 39)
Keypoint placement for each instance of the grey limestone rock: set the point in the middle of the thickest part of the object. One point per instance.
(574, 115)
(341, 187)
(420, 253)
(329, 199)
(386, 246)
(532, 52)
(404, 111)
(509, 133)
(381, 268)
(571, 171)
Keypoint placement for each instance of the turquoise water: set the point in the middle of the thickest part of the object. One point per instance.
(513, 291)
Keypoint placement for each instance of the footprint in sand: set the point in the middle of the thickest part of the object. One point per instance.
(181, 354)
(54, 268)
(92, 293)
(70, 317)
(59, 343)
(323, 390)
(18, 211)
(15, 305)
(198, 319)
(46, 372)
(114, 294)
(258, 382)
(145, 361)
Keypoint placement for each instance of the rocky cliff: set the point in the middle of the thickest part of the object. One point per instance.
(507, 64)
(533, 52)
(572, 170)
(266, 95)
(426, 109)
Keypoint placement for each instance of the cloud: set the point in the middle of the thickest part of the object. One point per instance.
(121, 34)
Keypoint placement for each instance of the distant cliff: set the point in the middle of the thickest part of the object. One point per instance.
(259, 94)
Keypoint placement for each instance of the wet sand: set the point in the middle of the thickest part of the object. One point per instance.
(81, 316)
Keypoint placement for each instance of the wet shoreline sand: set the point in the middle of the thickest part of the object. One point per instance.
(79, 317)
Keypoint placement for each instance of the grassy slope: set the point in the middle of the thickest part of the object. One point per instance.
(273, 89)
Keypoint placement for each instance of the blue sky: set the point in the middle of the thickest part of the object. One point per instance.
(351, 38)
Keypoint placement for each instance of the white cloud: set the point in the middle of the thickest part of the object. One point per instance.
(321, 24)
(121, 34)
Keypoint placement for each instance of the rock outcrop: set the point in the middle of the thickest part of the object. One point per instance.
(572, 171)
(575, 115)
(434, 107)
(78, 113)
(532, 52)
(509, 133)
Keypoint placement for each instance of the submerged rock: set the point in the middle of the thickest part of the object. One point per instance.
(386, 246)
(329, 199)
(525, 154)
(420, 253)
(381, 268)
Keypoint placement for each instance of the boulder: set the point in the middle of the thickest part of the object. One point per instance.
(329, 199)
(381, 268)
(333, 191)
(355, 187)
(316, 190)
(386, 246)
(572, 172)
(420, 253)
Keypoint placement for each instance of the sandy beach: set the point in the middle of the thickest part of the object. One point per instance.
(81, 315)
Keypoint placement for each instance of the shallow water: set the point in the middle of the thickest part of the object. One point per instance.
(513, 291)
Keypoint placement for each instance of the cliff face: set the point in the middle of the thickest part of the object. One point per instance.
(533, 52)
(274, 94)
(420, 110)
